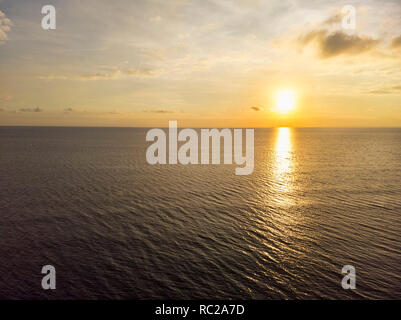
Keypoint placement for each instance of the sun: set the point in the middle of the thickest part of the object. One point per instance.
(285, 101)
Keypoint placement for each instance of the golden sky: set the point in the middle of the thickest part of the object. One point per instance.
(204, 63)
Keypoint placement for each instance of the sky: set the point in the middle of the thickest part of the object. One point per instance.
(203, 63)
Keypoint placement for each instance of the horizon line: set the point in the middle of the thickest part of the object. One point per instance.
(149, 127)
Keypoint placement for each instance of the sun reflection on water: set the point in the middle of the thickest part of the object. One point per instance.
(283, 160)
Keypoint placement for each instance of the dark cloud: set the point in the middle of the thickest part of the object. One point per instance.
(161, 111)
(256, 109)
(37, 109)
(337, 43)
(335, 19)
(396, 43)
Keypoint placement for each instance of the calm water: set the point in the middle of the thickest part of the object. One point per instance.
(86, 201)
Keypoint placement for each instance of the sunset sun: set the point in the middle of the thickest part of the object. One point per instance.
(285, 101)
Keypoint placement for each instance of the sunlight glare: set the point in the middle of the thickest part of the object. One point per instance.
(285, 101)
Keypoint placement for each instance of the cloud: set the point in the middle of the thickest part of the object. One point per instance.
(396, 43)
(6, 97)
(256, 109)
(100, 76)
(334, 19)
(53, 77)
(5, 26)
(388, 90)
(113, 75)
(338, 43)
(155, 19)
(159, 111)
(37, 109)
(142, 72)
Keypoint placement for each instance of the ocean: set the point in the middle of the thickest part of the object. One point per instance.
(86, 201)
